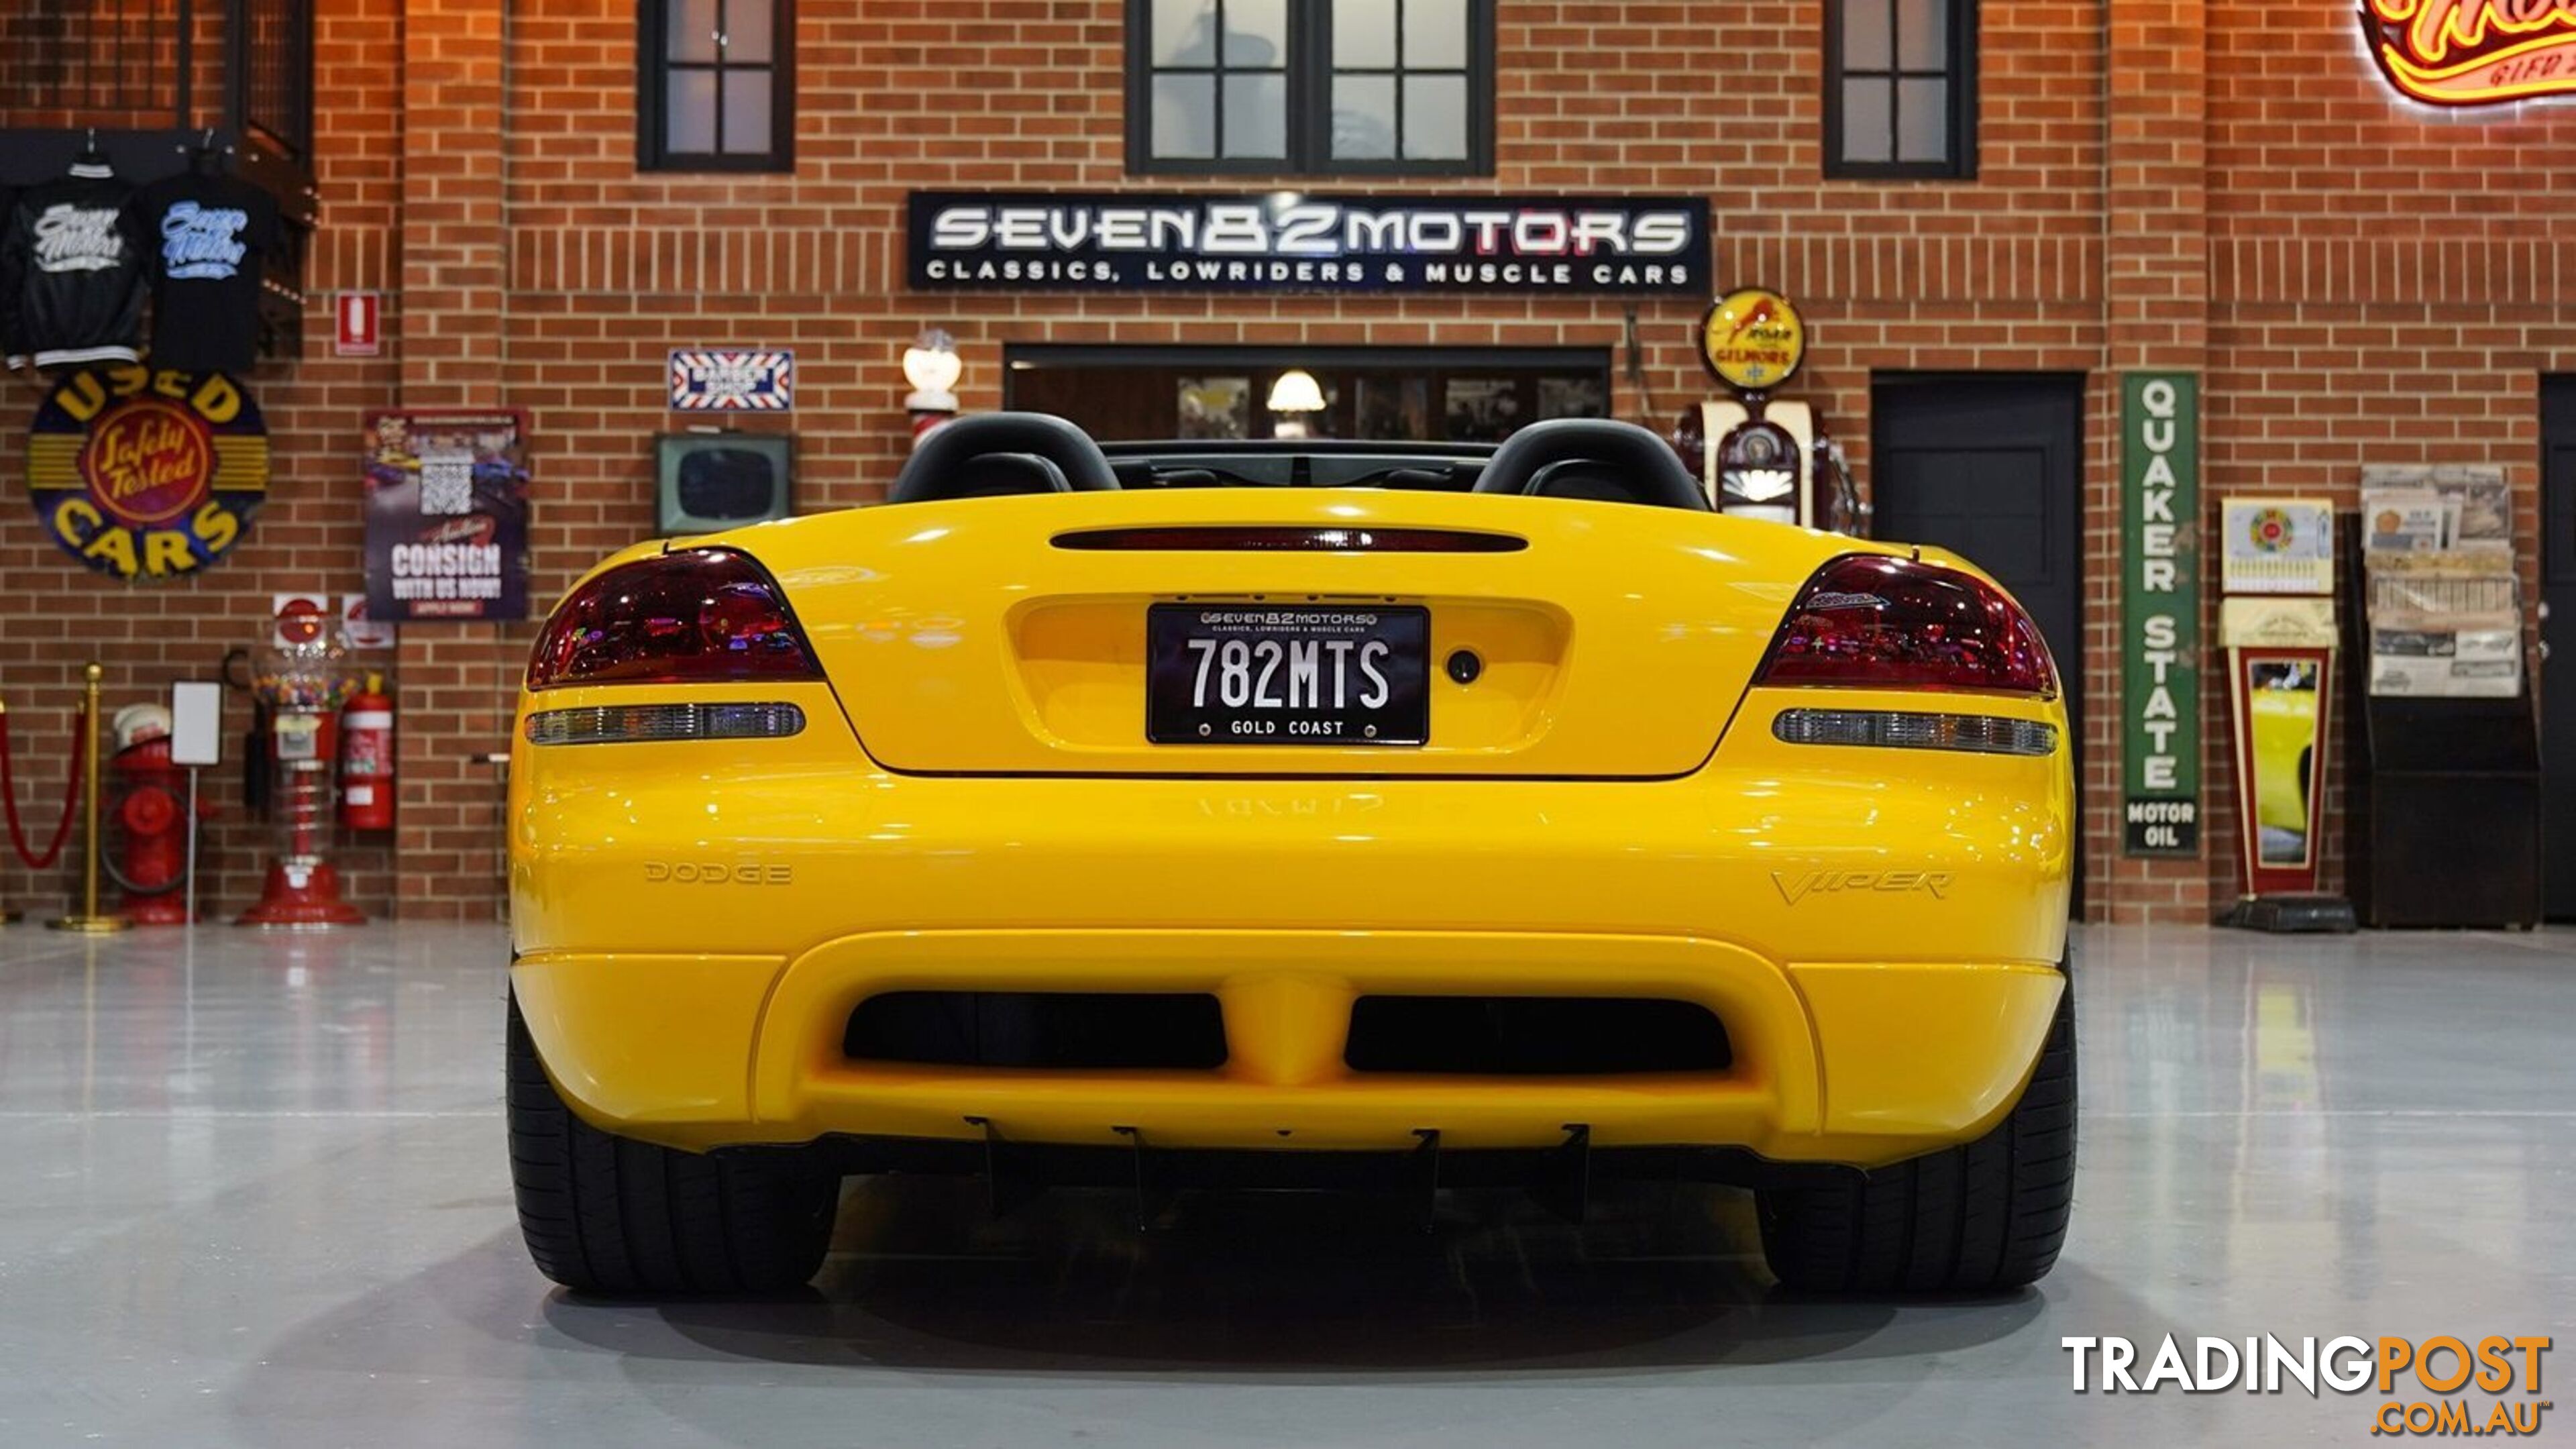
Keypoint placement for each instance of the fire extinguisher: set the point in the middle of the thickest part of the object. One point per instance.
(367, 759)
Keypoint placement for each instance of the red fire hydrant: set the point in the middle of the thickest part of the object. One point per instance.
(152, 808)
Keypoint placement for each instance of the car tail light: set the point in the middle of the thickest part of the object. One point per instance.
(1267, 539)
(1871, 621)
(663, 723)
(1975, 734)
(690, 616)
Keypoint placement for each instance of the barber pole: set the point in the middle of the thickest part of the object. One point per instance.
(924, 419)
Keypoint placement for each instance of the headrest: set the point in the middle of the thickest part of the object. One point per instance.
(1636, 466)
(941, 466)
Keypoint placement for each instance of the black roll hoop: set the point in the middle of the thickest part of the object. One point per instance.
(1648, 470)
(938, 468)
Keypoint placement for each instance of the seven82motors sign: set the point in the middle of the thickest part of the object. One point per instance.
(2160, 612)
(1292, 242)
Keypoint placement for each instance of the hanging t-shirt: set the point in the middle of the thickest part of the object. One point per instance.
(11, 354)
(70, 284)
(201, 237)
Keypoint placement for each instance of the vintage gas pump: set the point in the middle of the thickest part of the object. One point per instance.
(303, 682)
(2277, 569)
(1760, 456)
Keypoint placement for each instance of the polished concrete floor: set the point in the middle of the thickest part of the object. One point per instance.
(252, 1193)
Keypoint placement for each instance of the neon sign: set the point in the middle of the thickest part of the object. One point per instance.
(2473, 52)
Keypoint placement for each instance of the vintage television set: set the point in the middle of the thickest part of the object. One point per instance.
(707, 482)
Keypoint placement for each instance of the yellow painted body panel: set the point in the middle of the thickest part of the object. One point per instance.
(2285, 728)
(1081, 684)
(964, 640)
(1939, 1058)
(1877, 929)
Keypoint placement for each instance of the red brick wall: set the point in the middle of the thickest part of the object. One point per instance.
(2388, 282)
(305, 538)
(2212, 184)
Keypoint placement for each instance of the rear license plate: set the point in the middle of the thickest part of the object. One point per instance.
(1287, 674)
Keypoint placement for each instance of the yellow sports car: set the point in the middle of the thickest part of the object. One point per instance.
(1289, 813)
(2283, 703)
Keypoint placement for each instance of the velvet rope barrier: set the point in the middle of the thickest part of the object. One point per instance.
(71, 796)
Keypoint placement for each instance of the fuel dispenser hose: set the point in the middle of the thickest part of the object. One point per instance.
(71, 796)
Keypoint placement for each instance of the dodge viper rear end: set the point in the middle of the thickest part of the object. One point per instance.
(1169, 835)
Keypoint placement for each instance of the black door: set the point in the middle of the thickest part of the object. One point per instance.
(1991, 468)
(2558, 637)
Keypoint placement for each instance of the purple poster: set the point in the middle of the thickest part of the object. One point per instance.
(447, 515)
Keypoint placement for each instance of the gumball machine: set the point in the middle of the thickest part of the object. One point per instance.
(303, 680)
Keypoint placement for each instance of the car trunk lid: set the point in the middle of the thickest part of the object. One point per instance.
(1547, 637)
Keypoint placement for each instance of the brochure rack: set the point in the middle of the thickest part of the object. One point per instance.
(2442, 804)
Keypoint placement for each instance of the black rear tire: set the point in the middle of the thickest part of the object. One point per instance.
(607, 1214)
(1990, 1214)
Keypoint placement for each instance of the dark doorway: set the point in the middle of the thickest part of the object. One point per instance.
(2558, 638)
(1991, 467)
(1417, 394)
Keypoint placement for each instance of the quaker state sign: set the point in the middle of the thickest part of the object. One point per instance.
(147, 473)
(1752, 339)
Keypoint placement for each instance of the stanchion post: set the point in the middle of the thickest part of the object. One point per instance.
(191, 918)
(90, 921)
(7, 916)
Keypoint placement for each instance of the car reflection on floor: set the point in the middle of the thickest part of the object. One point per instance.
(255, 1201)
(922, 1276)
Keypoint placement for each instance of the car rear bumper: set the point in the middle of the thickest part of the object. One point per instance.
(1840, 1061)
(1874, 929)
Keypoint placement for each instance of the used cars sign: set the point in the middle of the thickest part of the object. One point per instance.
(147, 473)
(1290, 242)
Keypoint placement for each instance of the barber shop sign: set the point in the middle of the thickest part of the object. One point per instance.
(731, 380)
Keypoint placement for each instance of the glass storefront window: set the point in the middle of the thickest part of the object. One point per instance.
(1311, 87)
(1400, 70)
(716, 89)
(1220, 79)
(1900, 88)
(1383, 394)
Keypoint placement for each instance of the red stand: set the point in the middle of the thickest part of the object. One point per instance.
(301, 894)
